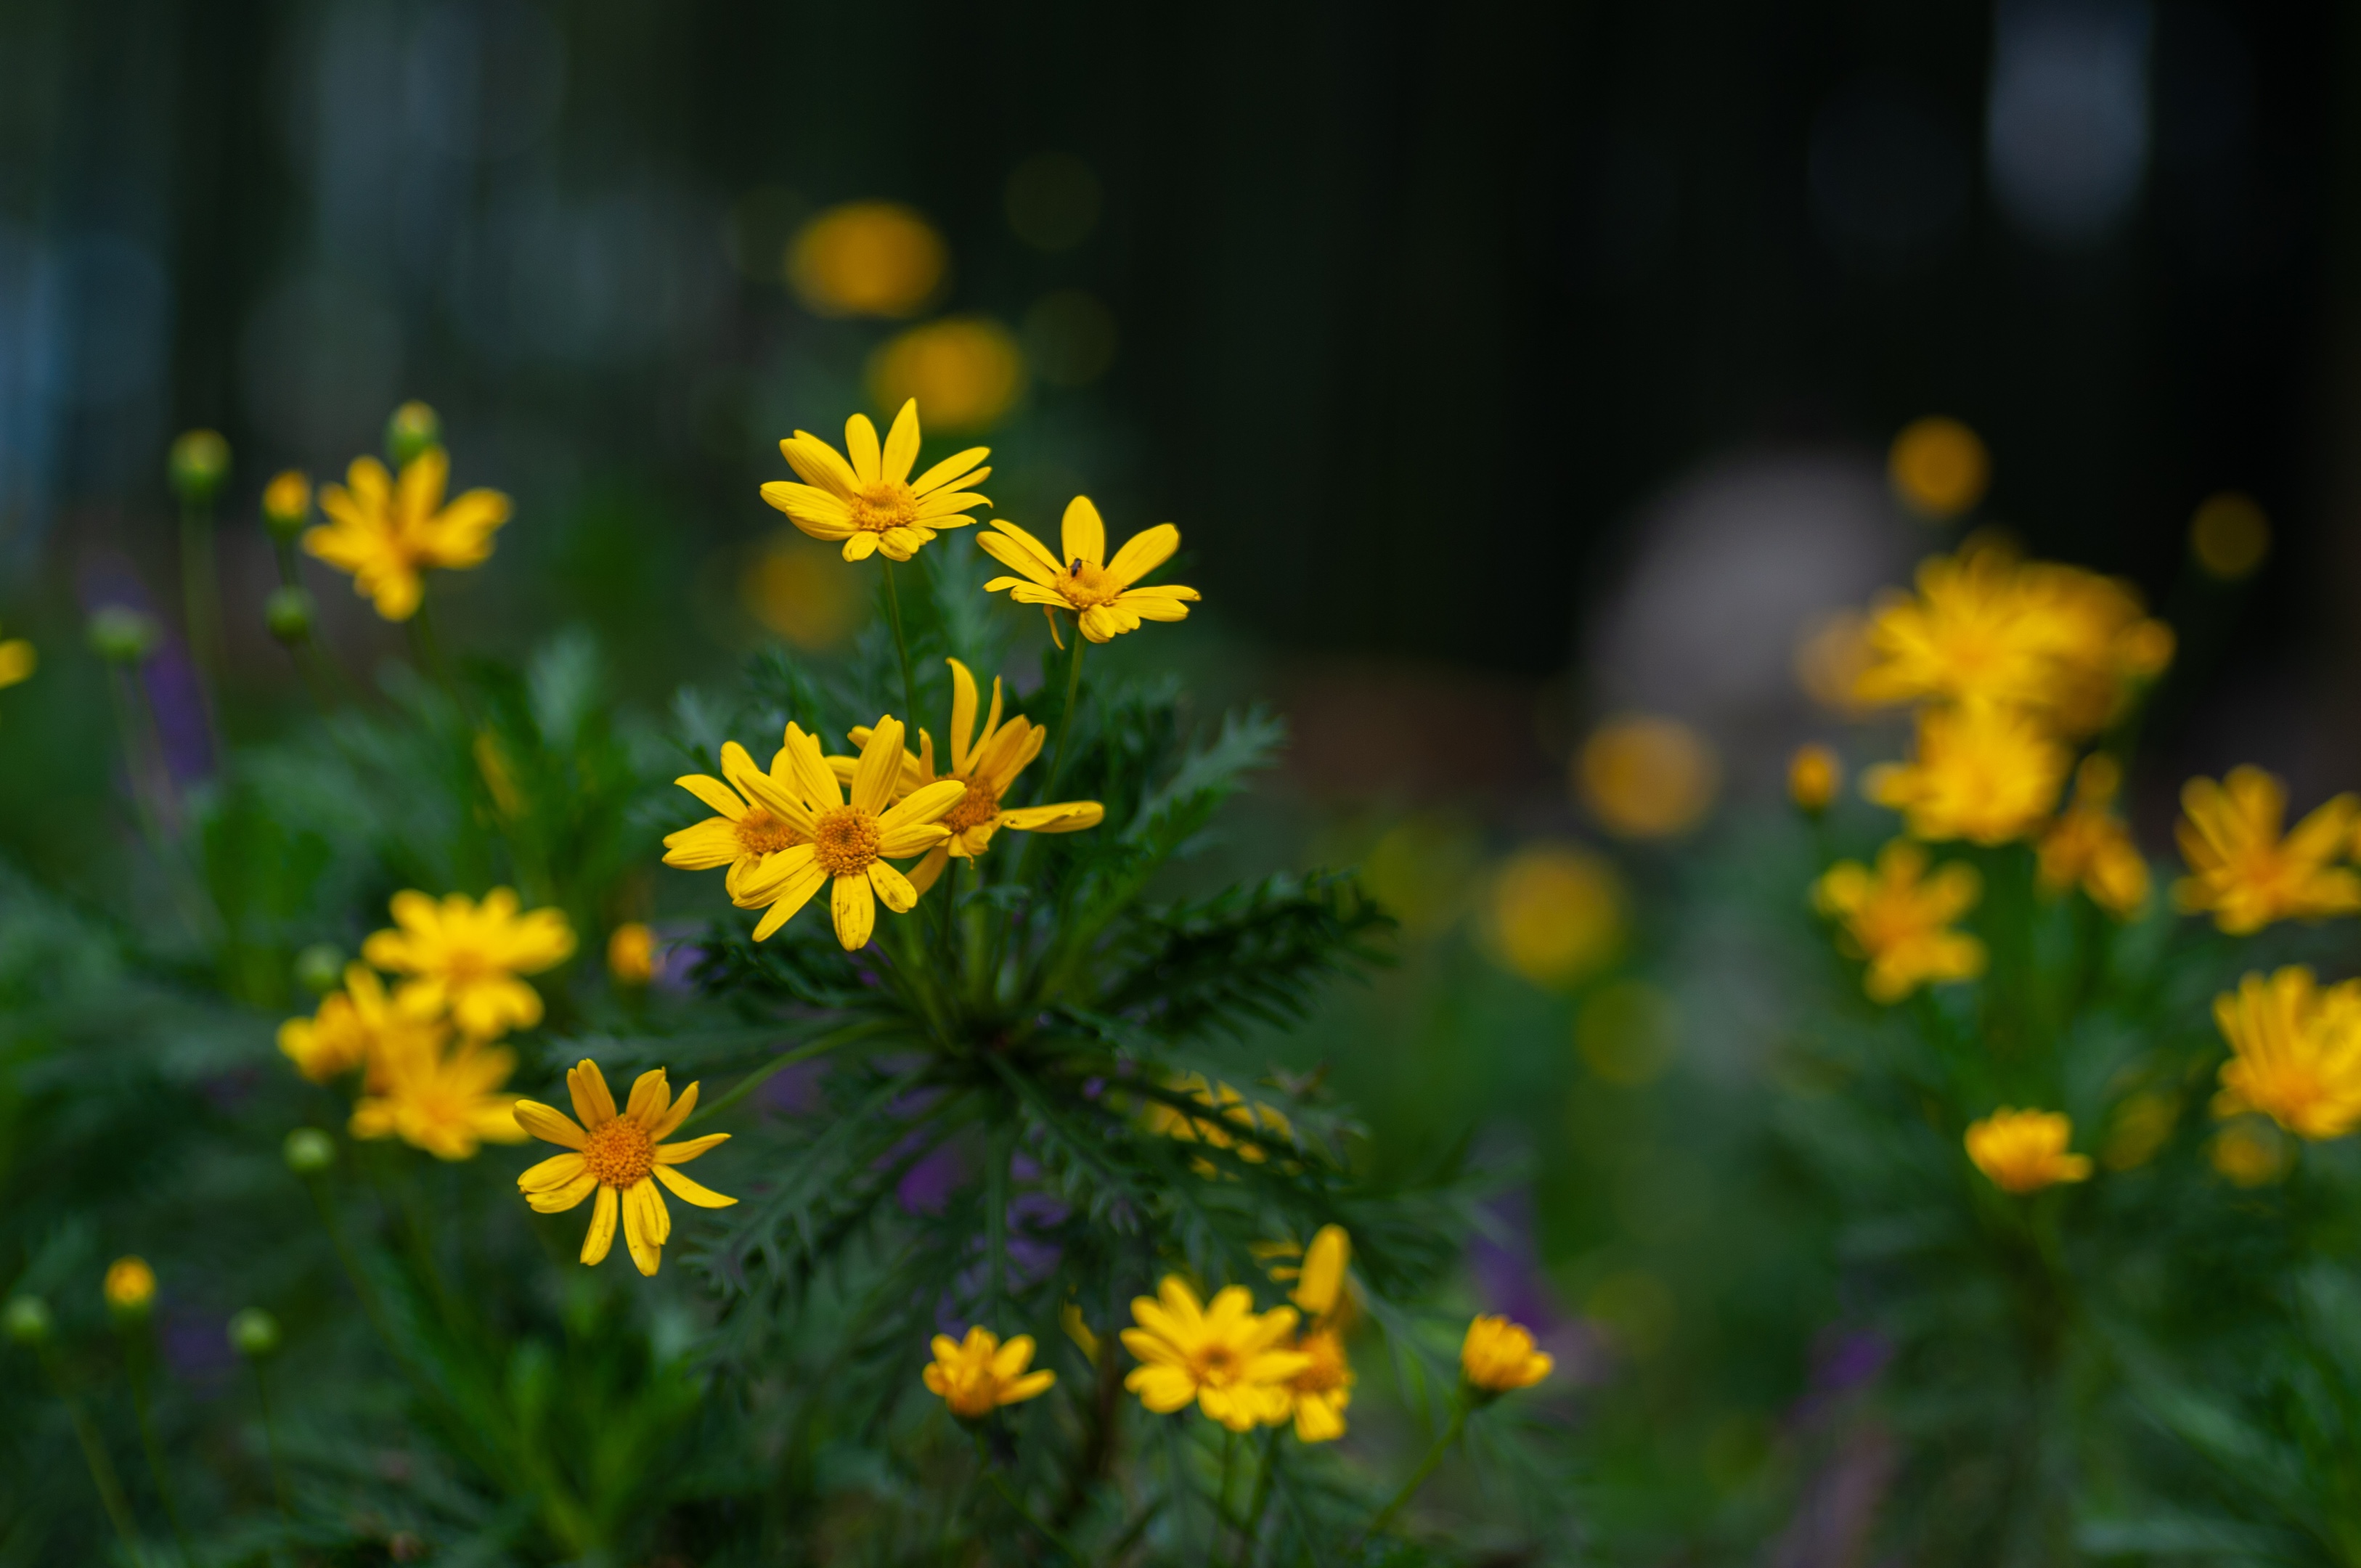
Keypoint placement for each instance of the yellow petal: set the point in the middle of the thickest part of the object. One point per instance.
(550, 1126)
(651, 1098)
(602, 1227)
(714, 793)
(592, 1103)
(1084, 536)
(1143, 552)
(901, 444)
(953, 469)
(892, 888)
(854, 908)
(861, 446)
(688, 1191)
(555, 1171)
(643, 1232)
(689, 1148)
(677, 1115)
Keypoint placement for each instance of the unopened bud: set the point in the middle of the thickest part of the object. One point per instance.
(27, 1322)
(254, 1334)
(414, 428)
(199, 464)
(287, 611)
(286, 504)
(121, 635)
(320, 968)
(1814, 776)
(310, 1151)
(130, 1288)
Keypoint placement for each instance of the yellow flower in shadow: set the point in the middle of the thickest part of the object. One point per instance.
(464, 956)
(2295, 1052)
(444, 1099)
(2244, 872)
(1980, 773)
(1231, 1361)
(867, 500)
(978, 1374)
(360, 1026)
(1899, 919)
(1498, 1355)
(621, 1157)
(2089, 846)
(1231, 1122)
(385, 532)
(1102, 594)
(2024, 1151)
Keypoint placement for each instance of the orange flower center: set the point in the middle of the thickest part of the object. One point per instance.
(620, 1154)
(845, 841)
(1086, 586)
(1326, 1372)
(887, 504)
(1216, 1365)
(979, 805)
(764, 833)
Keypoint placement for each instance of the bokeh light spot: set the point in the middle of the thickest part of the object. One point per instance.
(1637, 1308)
(1938, 467)
(965, 371)
(867, 258)
(1420, 870)
(1647, 777)
(2251, 1153)
(2229, 535)
(802, 592)
(1624, 1033)
(1053, 201)
(1069, 338)
(1556, 913)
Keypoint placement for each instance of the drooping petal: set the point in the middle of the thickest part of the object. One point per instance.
(558, 1199)
(854, 909)
(690, 1191)
(892, 887)
(791, 897)
(602, 1227)
(861, 546)
(922, 874)
(553, 1172)
(643, 1235)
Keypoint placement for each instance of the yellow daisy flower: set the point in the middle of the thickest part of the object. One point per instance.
(978, 1375)
(2089, 846)
(743, 835)
(358, 1026)
(2103, 643)
(2024, 1151)
(620, 1157)
(1225, 1358)
(1498, 1355)
(2241, 870)
(386, 530)
(869, 502)
(847, 844)
(465, 957)
(1232, 1123)
(1899, 919)
(1100, 592)
(1987, 775)
(18, 662)
(987, 763)
(2296, 1052)
(1323, 1390)
(445, 1100)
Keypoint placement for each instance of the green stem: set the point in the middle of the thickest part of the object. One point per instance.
(94, 1457)
(1065, 718)
(1248, 1540)
(1229, 1475)
(1425, 1468)
(200, 594)
(135, 1364)
(902, 648)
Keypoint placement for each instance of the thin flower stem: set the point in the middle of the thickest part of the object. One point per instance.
(94, 1457)
(902, 648)
(1229, 1473)
(137, 1350)
(1418, 1477)
(270, 1440)
(1065, 718)
(1247, 1538)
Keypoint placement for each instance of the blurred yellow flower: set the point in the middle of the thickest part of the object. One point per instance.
(1070, 1318)
(2024, 1151)
(359, 1025)
(18, 662)
(1554, 912)
(979, 1374)
(445, 1100)
(968, 370)
(2089, 846)
(1324, 1294)
(1231, 1122)
(1899, 919)
(866, 259)
(1814, 776)
(869, 500)
(632, 953)
(2229, 536)
(1324, 1388)
(2241, 870)
(1647, 777)
(620, 1157)
(129, 1286)
(845, 846)
(793, 588)
(1102, 593)
(2104, 643)
(1320, 1283)
(465, 957)
(743, 836)
(2295, 1052)
(1987, 775)
(385, 532)
(1938, 467)
(2250, 1153)
(1498, 1355)
(1229, 1361)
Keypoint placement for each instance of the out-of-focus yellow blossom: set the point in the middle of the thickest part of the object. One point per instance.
(968, 370)
(1070, 1318)
(2089, 846)
(1324, 1294)
(385, 532)
(287, 502)
(2106, 642)
(1556, 913)
(2229, 536)
(1980, 773)
(793, 589)
(1102, 594)
(632, 953)
(1498, 1355)
(129, 1286)
(867, 500)
(360, 1026)
(2142, 1125)
(1231, 1122)
(845, 845)
(621, 1157)
(743, 836)
(465, 957)
(1231, 1361)
(446, 1100)
(2250, 1153)
(2295, 1052)
(1814, 776)
(2024, 1151)
(18, 662)
(1324, 1388)
(2244, 872)
(866, 259)
(986, 764)
(1644, 777)
(1938, 467)
(977, 1376)
(1899, 919)
(1829, 658)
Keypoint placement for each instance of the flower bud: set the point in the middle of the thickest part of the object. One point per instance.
(1814, 776)
(414, 428)
(254, 1334)
(130, 1288)
(27, 1322)
(199, 463)
(121, 635)
(286, 504)
(310, 1151)
(320, 968)
(288, 612)
(631, 954)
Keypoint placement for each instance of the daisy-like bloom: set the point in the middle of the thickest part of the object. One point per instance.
(846, 843)
(1498, 1355)
(2296, 1052)
(2103, 645)
(465, 957)
(444, 1099)
(2241, 870)
(2089, 848)
(17, 662)
(1101, 593)
(1899, 919)
(1325, 1387)
(1814, 776)
(869, 502)
(1233, 1363)
(2024, 1151)
(987, 764)
(358, 1026)
(386, 530)
(620, 1157)
(743, 835)
(1234, 1124)
(977, 1376)
(1969, 634)
(1984, 774)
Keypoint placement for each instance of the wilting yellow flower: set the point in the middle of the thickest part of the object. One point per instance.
(866, 259)
(844, 845)
(1899, 919)
(1647, 777)
(2089, 846)
(2024, 1151)
(1231, 1361)
(744, 836)
(2295, 1052)
(968, 370)
(445, 1100)
(2229, 536)
(465, 957)
(1232, 1123)
(1938, 466)
(2240, 869)
(1498, 1355)
(632, 953)
(1102, 594)
(868, 500)
(17, 660)
(1554, 912)
(1984, 774)
(129, 1286)
(385, 532)
(987, 764)
(2250, 1153)
(620, 1157)
(1814, 776)
(979, 1374)
(359, 1025)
